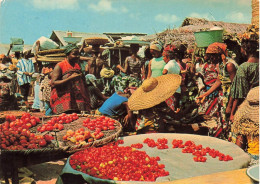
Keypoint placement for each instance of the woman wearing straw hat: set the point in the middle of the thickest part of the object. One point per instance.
(156, 65)
(217, 53)
(69, 92)
(153, 92)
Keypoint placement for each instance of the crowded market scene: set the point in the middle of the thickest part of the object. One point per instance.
(179, 106)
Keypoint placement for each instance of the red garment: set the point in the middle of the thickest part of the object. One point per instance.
(73, 94)
(171, 102)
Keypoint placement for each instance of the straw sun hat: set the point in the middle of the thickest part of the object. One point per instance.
(154, 91)
(246, 119)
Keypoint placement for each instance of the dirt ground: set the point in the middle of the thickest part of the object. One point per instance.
(44, 173)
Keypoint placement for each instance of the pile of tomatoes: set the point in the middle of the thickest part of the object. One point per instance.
(15, 133)
(199, 152)
(56, 123)
(122, 163)
(102, 122)
(160, 144)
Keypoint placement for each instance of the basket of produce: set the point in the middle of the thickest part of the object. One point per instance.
(96, 41)
(158, 157)
(44, 139)
(74, 132)
(21, 146)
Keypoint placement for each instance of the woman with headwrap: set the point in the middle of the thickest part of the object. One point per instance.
(226, 67)
(156, 65)
(69, 92)
(248, 73)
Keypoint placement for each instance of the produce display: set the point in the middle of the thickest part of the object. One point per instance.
(96, 128)
(29, 132)
(120, 163)
(56, 123)
(157, 158)
(15, 133)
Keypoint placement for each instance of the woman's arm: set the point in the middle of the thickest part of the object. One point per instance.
(231, 70)
(215, 86)
(56, 74)
(129, 117)
(165, 71)
(149, 69)
(123, 69)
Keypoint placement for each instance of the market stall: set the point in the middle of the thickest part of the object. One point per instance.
(178, 162)
(30, 140)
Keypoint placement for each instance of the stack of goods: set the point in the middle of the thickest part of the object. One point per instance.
(51, 56)
(17, 44)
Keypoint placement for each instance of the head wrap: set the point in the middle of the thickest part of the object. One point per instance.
(69, 48)
(90, 79)
(156, 46)
(107, 73)
(169, 49)
(252, 33)
(217, 48)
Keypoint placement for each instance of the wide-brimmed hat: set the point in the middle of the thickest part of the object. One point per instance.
(107, 73)
(154, 91)
(246, 119)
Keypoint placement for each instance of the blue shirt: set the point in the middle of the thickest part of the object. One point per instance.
(24, 65)
(111, 106)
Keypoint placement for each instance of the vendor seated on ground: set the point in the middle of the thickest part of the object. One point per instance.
(153, 93)
(116, 107)
(69, 92)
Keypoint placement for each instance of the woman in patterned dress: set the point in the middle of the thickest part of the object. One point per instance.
(69, 92)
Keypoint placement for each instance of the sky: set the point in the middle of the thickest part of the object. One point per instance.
(31, 19)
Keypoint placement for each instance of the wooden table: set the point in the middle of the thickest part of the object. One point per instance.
(227, 177)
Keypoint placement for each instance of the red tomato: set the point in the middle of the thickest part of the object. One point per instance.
(42, 143)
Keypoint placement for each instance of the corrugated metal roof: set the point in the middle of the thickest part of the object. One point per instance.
(60, 34)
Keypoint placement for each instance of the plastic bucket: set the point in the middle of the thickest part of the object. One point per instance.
(205, 38)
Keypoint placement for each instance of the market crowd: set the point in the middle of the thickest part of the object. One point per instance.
(170, 85)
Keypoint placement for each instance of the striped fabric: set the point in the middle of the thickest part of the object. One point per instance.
(24, 65)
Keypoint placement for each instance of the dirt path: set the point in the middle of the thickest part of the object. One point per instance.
(44, 173)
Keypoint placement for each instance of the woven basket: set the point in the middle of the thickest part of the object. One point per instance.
(50, 59)
(70, 147)
(56, 55)
(58, 148)
(246, 119)
(51, 51)
(96, 41)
